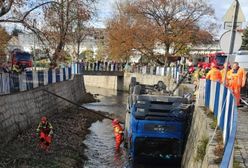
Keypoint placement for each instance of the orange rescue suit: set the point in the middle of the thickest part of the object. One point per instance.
(228, 76)
(237, 81)
(214, 75)
(118, 132)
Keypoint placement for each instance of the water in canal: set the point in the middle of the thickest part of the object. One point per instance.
(100, 142)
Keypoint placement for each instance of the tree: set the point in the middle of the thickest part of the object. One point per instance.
(245, 40)
(4, 38)
(62, 21)
(158, 29)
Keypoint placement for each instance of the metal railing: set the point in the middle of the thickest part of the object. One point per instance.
(16, 82)
(221, 101)
(176, 72)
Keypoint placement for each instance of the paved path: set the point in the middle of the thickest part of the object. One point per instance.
(241, 147)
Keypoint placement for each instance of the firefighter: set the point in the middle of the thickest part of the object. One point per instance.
(223, 73)
(214, 73)
(237, 81)
(118, 132)
(45, 131)
(16, 69)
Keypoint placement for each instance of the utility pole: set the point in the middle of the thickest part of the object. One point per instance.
(34, 53)
(234, 27)
(233, 35)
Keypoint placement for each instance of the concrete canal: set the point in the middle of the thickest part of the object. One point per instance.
(100, 142)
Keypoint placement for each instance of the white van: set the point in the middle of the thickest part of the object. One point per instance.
(242, 58)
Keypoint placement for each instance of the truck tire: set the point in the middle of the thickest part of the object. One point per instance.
(136, 90)
(133, 81)
(161, 85)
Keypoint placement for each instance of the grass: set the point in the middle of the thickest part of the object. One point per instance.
(214, 123)
(201, 149)
(219, 148)
(236, 164)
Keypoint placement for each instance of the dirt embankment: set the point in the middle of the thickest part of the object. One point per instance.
(70, 128)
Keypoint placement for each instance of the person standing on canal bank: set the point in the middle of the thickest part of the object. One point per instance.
(118, 132)
(228, 74)
(214, 73)
(45, 131)
(237, 81)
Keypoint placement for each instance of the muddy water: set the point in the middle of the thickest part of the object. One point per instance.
(100, 142)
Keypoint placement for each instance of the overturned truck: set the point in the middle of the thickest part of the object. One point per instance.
(156, 123)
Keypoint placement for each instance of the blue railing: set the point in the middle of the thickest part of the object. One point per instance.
(221, 101)
(16, 82)
(175, 72)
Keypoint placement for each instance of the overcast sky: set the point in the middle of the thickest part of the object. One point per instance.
(105, 9)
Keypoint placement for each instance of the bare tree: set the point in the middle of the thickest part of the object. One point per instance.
(60, 23)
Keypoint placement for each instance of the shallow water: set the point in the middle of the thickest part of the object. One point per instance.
(100, 142)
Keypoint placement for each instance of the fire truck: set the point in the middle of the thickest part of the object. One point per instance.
(218, 58)
(21, 58)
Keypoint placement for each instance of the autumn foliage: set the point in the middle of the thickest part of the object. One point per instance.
(157, 29)
(4, 38)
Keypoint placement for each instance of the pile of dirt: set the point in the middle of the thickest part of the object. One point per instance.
(70, 128)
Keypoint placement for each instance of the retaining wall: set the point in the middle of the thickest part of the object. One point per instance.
(19, 110)
(111, 82)
(200, 130)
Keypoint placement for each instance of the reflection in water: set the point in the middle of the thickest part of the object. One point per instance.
(111, 101)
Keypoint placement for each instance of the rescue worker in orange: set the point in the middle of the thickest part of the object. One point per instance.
(214, 73)
(228, 74)
(118, 132)
(45, 131)
(237, 81)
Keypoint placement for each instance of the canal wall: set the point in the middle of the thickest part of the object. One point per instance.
(199, 151)
(113, 82)
(19, 110)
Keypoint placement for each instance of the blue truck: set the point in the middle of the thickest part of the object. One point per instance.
(156, 124)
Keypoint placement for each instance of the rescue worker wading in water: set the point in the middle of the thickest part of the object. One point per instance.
(118, 132)
(45, 131)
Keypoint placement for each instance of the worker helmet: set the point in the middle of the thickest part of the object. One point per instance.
(43, 119)
(115, 121)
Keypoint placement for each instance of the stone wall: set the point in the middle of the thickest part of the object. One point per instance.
(19, 110)
(200, 130)
(107, 82)
(111, 82)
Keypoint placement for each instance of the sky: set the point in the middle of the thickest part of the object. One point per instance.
(106, 9)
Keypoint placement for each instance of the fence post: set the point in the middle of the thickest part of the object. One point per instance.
(22, 81)
(54, 75)
(225, 132)
(45, 77)
(35, 79)
(207, 92)
(61, 75)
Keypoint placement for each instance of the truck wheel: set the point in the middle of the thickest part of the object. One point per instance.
(161, 85)
(137, 90)
(133, 81)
